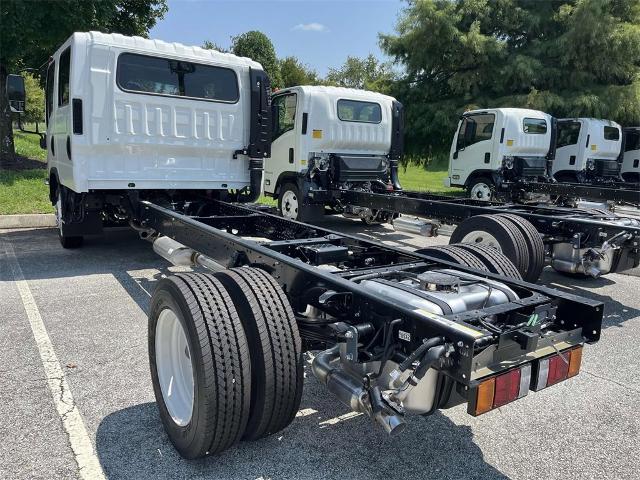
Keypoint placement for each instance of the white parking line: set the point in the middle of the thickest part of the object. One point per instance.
(88, 463)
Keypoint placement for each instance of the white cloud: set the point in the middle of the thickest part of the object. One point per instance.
(310, 27)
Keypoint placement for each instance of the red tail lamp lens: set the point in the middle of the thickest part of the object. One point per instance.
(558, 368)
(507, 388)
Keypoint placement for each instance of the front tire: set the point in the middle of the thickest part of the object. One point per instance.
(200, 365)
(481, 188)
(292, 205)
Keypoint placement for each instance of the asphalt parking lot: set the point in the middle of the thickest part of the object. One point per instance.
(93, 304)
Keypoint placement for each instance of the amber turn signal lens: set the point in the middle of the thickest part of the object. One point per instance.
(484, 401)
(574, 362)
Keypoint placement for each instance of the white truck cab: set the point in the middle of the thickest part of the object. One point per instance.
(630, 170)
(496, 146)
(587, 150)
(327, 138)
(133, 114)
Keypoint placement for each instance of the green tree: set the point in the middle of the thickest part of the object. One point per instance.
(566, 57)
(209, 45)
(31, 31)
(364, 73)
(257, 46)
(34, 108)
(294, 72)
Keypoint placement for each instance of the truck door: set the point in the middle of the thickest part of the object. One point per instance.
(474, 146)
(283, 154)
(568, 151)
(59, 128)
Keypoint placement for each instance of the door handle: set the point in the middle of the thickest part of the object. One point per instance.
(487, 157)
(455, 154)
(291, 155)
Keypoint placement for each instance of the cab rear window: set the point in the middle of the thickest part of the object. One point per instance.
(611, 133)
(534, 125)
(165, 76)
(356, 111)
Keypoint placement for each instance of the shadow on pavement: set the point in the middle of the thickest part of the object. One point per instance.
(327, 442)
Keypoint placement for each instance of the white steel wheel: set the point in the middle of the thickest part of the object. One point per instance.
(290, 205)
(482, 238)
(58, 211)
(175, 371)
(481, 191)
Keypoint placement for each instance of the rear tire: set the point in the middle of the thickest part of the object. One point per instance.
(452, 253)
(495, 261)
(216, 349)
(61, 218)
(535, 245)
(496, 232)
(275, 346)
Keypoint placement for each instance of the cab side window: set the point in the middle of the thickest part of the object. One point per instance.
(63, 78)
(475, 128)
(568, 134)
(49, 91)
(284, 117)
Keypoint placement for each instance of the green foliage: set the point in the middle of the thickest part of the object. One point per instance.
(24, 191)
(364, 73)
(28, 145)
(32, 31)
(34, 109)
(209, 45)
(294, 72)
(257, 46)
(566, 57)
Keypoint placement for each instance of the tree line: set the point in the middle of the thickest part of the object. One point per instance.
(569, 58)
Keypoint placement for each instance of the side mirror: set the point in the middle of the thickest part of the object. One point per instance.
(16, 93)
(43, 142)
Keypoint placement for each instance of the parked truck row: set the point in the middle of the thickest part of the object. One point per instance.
(172, 140)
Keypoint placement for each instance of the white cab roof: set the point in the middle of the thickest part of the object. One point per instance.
(159, 47)
(511, 112)
(339, 92)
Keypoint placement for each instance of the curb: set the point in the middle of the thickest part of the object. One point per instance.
(31, 220)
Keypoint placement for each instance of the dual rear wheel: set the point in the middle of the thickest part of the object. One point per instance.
(225, 357)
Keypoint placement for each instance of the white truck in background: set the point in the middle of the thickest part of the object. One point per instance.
(630, 169)
(330, 138)
(495, 147)
(131, 115)
(588, 150)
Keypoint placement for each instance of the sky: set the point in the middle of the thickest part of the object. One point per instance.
(321, 33)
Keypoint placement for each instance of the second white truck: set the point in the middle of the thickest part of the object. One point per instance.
(327, 138)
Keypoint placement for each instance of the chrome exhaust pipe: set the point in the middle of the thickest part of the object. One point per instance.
(352, 392)
(180, 255)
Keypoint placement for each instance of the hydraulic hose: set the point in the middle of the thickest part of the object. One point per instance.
(419, 352)
(428, 360)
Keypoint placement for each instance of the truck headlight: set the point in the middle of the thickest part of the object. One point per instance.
(508, 162)
(591, 164)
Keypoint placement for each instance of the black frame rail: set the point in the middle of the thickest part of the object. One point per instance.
(278, 246)
(616, 192)
(586, 228)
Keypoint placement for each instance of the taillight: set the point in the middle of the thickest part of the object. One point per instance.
(557, 368)
(501, 389)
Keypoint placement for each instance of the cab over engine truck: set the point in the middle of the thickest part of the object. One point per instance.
(496, 148)
(588, 150)
(160, 135)
(329, 138)
(630, 169)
